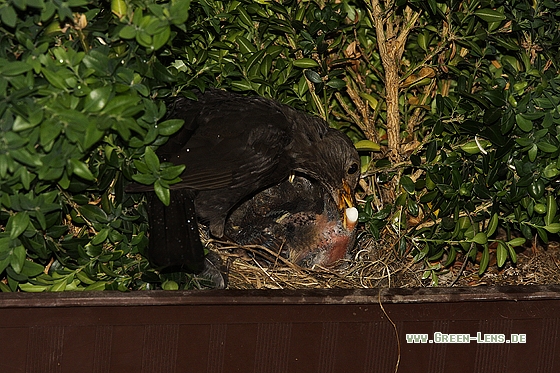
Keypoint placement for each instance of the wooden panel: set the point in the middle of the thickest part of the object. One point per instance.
(280, 331)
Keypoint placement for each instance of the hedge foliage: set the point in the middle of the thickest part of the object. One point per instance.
(82, 101)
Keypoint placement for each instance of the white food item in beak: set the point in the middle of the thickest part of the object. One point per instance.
(351, 217)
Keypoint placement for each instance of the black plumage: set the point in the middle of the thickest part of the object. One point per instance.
(295, 219)
(233, 147)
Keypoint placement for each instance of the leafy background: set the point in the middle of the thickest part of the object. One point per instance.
(453, 104)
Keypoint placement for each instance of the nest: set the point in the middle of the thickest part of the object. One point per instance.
(376, 264)
(373, 264)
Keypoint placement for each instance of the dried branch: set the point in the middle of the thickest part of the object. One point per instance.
(392, 32)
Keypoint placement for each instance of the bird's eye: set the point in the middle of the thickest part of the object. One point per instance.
(353, 169)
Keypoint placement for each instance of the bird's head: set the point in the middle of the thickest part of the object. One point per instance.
(333, 160)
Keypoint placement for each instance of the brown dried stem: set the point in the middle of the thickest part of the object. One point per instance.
(392, 32)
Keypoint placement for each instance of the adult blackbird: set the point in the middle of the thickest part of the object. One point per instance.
(234, 146)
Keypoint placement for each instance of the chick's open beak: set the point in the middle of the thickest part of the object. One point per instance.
(346, 206)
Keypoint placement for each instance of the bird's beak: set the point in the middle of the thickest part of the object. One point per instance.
(346, 206)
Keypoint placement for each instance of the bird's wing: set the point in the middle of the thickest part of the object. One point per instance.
(228, 144)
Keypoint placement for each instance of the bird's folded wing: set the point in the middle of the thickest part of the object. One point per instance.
(227, 143)
(233, 154)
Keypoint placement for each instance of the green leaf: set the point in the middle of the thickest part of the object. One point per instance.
(17, 259)
(101, 236)
(551, 208)
(128, 32)
(59, 286)
(31, 269)
(92, 135)
(15, 68)
(74, 3)
(8, 15)
(93, 213)
(516, 241)
(17, 224)
(162, 192)
(501, 254)
(169, 127)
(141, 167)
(243, 85)
(245, 18)
(162, 73)
(81, 169)
(524, 124)
(305, 63)
(512, 253)
(551, 171)
(161, 38)
(451, 256)
(119, 8)
(97, 286)
(367, 145)
(313, 76)
(412, 207)
(180, 11)
(480, 238)
(146, 179)
(172, 172)
(170, 285)
(490, 15)
(152, 160)
(433, 6)
(422, 40)
(532, 153)
(108, 271)
(32, 288)
(143, 38)
(245, 46)
(84, 278)
(484, 260)
(492, 225)
(475, 147)
(119, 104)
(48, 132)
(21, 124)
(421, 254)
(97, 99)
(546, 147)
(41, 219)
(372, 101)
(407, 184)
(23, 156)
(431, 151)
(553, 228)
(98, 61)
(55, 79)
(542, 234)
(336, 83)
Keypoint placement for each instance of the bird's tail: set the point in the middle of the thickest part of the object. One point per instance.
(174, 241)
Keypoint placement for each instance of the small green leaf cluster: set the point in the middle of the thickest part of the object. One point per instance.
(151, 172)
(288, 51)
(485, 176)
(150, 27)
(77, 121)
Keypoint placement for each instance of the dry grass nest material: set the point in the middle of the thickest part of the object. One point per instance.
(375, 264)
